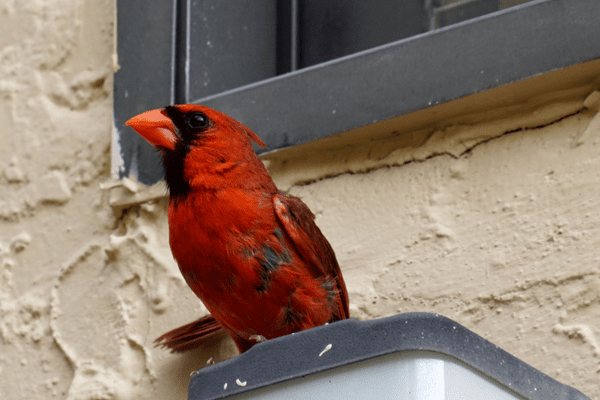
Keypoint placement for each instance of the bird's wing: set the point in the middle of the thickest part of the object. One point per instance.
(299, 223)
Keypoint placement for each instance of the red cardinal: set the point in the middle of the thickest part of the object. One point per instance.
(251, 253)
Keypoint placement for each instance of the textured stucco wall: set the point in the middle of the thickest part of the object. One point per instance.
(501, 235)
(55, 107)
(493, 223)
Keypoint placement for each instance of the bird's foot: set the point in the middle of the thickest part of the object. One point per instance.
(257, 338)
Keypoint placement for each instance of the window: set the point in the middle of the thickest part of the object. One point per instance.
(299, 70)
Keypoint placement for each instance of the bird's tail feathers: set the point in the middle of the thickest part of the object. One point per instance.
(192, 335)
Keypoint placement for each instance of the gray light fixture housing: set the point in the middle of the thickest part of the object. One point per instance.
(412, 356)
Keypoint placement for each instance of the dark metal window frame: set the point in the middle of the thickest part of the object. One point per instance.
(356, 90)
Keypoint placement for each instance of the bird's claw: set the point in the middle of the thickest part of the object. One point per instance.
(257, 338)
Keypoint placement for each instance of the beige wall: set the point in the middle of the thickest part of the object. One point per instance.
(490, 218)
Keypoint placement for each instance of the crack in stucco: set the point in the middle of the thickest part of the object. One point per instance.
(521, 129)
(435, 154)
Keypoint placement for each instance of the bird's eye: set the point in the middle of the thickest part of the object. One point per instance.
(196, 120)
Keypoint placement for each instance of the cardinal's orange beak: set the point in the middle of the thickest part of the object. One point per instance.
(155, 127)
